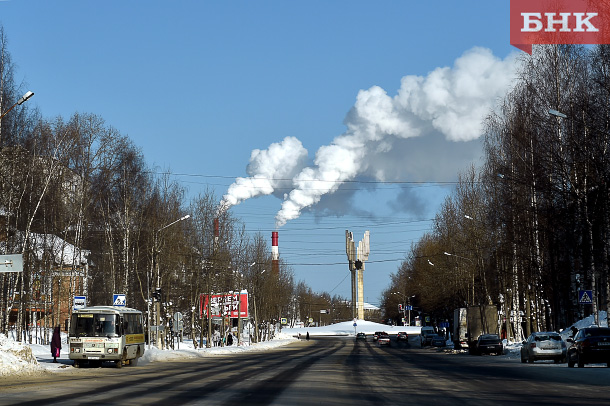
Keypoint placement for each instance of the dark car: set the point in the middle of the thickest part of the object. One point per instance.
(376, 335)
(438, 341)
(360, 336)
(590, 345)
(543, 346)
(426, 335)
(488, 344)
(402, 336)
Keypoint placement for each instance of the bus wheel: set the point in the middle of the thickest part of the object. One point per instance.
(134, 362)
(76, 364)
(119, 363)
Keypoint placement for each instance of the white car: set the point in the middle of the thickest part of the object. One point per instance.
(543, 345)
(383, 339)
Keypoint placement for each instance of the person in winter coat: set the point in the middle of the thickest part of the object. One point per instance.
(55, 344)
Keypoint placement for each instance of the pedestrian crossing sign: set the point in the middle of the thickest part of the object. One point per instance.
(119, 300)
(585, 296)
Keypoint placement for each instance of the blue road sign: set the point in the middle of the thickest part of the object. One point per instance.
(80, 302)
(585, 296)
(118, 300)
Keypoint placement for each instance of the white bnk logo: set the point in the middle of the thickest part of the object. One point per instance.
(532, 22)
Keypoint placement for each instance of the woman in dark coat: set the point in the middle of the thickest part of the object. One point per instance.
(56, 344)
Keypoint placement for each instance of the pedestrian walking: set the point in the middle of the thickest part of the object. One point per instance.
(56, 344)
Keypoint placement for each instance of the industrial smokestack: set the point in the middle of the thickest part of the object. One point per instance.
(275, 253)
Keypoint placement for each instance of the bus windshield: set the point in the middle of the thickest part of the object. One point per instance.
(94, 325)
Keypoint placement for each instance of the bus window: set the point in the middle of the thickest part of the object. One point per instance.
(94, 325)
(106, 325)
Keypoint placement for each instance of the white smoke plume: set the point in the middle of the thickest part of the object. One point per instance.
(268, 170)
(453, 101)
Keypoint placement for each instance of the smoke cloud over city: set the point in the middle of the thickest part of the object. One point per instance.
(452, 101)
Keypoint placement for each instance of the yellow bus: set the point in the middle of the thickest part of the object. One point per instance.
(106, 333)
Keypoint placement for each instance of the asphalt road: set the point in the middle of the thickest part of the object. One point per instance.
(336, 371)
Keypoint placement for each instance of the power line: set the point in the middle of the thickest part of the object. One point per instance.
(374, 182)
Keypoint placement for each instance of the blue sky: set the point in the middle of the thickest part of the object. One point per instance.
(199, 85)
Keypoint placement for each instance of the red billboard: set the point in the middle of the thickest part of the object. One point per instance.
(231, 305)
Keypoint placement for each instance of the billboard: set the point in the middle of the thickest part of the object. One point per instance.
(224, 305)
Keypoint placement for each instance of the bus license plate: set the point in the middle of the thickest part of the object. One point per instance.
(94, 357)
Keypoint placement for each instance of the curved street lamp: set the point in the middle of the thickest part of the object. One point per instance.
(159, 339)
(467, 259)
(25, 98)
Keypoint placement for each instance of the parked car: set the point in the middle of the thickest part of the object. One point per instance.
(438, 341)
(360, 336)
(376, 335)
(543, 346)
(590, 345)
(383, 339)
(426, 335)
(402, 336)
(489, 344)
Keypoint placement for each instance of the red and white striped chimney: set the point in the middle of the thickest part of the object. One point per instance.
(275, 253)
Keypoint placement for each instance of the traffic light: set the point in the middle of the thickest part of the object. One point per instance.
(157, 294)
(400, 307)
(358, 264)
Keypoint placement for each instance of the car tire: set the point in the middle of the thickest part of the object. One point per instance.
(530, 360)
(579, 361)
(523, 360)
(570, 362)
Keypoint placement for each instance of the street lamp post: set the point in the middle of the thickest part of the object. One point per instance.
(409, 308)
(406, 299)
(594, 288)
(472, 262)
(25, 98)
(159, 338)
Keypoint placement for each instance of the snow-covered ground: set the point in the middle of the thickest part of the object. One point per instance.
(18, 358)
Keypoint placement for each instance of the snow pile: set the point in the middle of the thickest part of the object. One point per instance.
(347, 328)
(587, 322)
(187, 350)
(16, 358)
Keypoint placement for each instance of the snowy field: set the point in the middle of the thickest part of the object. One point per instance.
(18, 358)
